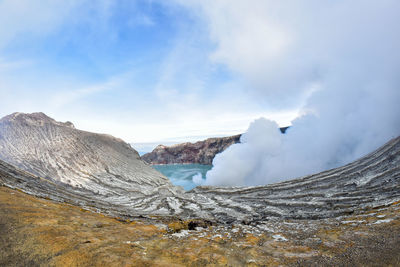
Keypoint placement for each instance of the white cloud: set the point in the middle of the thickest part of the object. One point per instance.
(284, 47)
(337, 59)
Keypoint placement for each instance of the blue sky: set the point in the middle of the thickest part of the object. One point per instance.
(181, 70)
(139, 70)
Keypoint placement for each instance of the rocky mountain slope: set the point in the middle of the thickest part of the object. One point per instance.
(104, 180)
(60, 154)
(201, 152)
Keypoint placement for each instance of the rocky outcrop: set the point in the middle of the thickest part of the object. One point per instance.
(105, 181)
(60, 154)
(202, 152)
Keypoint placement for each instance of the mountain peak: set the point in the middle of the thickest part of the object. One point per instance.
(36, 118)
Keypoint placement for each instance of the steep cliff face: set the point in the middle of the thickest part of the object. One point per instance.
(202, 152)
(60, 153)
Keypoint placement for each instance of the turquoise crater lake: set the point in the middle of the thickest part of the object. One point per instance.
(182, 174)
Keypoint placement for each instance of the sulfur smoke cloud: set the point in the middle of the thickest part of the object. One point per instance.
(338, 61)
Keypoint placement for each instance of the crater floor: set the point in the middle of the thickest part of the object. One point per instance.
(40, 232)
(118, 211)
(371, 181)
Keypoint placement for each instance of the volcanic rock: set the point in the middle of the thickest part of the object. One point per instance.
(61, 154)
(202, 152)
(339, 217)
(108, 176)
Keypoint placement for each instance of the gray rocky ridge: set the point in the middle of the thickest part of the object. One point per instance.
(202, 152)
(59, 153)
(49, 159)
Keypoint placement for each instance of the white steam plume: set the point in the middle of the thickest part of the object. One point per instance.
(339, 59)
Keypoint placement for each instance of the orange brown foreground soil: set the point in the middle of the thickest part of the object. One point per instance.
(39, 232)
